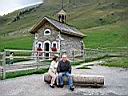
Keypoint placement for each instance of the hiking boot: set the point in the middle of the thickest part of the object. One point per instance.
(72, 88)
(61, 86)
(58, 86)
(52, 86)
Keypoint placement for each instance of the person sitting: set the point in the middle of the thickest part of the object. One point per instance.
(53, 70)
(64, 69)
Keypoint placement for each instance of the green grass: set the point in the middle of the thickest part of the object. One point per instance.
(25, 72)
(16, 43)
(17, 60)
(91, 58)
(75, 63)
(111, 31)
(114, 35)
(120, 62)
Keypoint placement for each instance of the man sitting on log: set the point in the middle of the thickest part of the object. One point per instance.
(64, 70)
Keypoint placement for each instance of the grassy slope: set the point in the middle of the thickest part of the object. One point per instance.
(118, 62)
(17, 43)
(111, 31)
(114, 35)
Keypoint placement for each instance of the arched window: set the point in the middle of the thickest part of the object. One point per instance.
(54, 46)
(39, 44)
(39, 49)
(47, 32)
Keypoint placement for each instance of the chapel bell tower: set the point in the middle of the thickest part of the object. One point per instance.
(62, 15)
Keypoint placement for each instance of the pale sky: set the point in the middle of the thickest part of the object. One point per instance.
(7, 6)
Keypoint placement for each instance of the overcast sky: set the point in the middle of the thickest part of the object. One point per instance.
(7, 6)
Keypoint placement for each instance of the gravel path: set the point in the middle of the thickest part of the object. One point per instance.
(116, 80)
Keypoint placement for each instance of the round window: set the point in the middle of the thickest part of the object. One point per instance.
(47, 32)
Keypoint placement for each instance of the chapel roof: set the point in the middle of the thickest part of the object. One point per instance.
(64, 28)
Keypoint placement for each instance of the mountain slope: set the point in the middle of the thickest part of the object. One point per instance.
(104, 21)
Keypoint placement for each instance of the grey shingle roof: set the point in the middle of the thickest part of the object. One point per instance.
(64, 28)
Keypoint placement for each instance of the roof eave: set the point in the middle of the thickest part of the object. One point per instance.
(35, 27)
(73, 34)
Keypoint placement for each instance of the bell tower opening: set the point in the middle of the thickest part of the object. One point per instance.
(62, 16)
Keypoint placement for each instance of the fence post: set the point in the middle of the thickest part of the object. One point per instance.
(83, 53)
(37, 59)
(3, 65)
(73, 56)
(60, 54)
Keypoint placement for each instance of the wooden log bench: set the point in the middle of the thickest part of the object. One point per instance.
(82, 80)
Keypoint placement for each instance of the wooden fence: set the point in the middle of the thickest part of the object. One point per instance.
(105, 52)
(28, 59)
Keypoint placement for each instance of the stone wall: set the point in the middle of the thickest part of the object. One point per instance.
(52, 37)
(70, 44)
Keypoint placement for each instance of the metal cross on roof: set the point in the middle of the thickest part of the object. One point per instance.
(62, 4)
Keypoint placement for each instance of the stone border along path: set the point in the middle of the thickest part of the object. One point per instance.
(116, 80)
(89, 64)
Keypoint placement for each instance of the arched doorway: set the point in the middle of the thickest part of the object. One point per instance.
(47, 49)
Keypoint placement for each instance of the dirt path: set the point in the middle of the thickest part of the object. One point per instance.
(116, 80)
